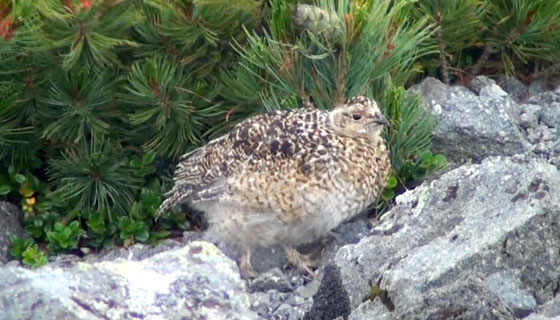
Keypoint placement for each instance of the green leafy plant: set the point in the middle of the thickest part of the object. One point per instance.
(19, 245)
(27, 251)
(409, 138)
(389, 191)
(64, 237)
(100, 231)
(133, 230)
(425, 163)
(451, 38)
(39, 224)
(143, 167)
(33, 257)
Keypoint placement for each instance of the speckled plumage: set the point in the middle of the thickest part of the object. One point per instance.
(286, 177)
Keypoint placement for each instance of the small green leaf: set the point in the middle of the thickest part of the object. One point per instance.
(34, 231)
(392, 182)
(4, 190)
(11, 172)
(160, 234)
(136, 164)
(142, 235)
(418, 173)
(136, 209)
(148, 158)
(32, 181)
(439, 161)
(74, 225)
(20, 178)
(33, 257)
(19, 246)
(183, 225)
(388, 194)
(38, 222)
(26, 190)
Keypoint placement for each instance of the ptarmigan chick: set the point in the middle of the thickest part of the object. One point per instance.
(286, 177)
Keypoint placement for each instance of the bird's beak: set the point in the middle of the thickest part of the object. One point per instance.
(380, 119)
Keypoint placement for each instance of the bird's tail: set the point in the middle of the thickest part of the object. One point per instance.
(176, 198)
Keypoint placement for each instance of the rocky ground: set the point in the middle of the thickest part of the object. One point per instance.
(479, 241)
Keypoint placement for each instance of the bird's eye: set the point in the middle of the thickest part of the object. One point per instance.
(356, 116)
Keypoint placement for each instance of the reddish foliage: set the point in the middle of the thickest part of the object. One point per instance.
(7, 28)
(85, 4)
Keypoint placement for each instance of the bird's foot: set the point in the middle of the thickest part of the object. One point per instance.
(245, 266)
(301, 261)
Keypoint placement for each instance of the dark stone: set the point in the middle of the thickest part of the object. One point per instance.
(331, 300)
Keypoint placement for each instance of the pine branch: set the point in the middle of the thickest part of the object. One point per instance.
(170, 113)
(329, 53)
(444, 67)
(86, 35)
(522, 30)
(95, 178)
(458, 27)
(410, 133)
(79, 107)
(196, 34)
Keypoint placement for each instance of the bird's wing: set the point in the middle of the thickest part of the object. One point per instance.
(221, 156)
(291, 142)
(282, 149)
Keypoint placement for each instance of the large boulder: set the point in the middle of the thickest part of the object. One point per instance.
(472, 123)
(196, 281)
(480, 242)
(9, 225)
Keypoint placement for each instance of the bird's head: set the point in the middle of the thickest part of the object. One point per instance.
(358, 117)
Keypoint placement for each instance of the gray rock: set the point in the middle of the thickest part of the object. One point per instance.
(508, 286)
(288, 312)
(536, 87)
(480, 82)
(551, 309)
(9, 225)
(529, 115)
(265, 303)
(309, 290)
(262, 259)
(513, 87)
(13, 263)
(471, 126)
(271, 280)
(480, 242)
(551, 115)
(193, 282)
(544, 98)
(541, 126)
(371, 310)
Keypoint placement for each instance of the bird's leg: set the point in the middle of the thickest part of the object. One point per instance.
(245, 266)
(301, 261)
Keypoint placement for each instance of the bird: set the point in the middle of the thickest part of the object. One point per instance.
(286, 177)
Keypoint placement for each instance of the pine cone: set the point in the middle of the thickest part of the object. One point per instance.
(316, 20)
